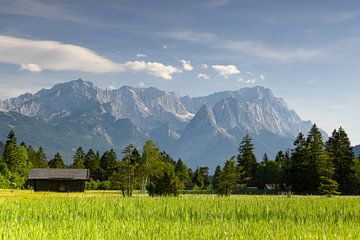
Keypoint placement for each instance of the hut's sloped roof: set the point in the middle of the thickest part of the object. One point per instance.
(59, 173)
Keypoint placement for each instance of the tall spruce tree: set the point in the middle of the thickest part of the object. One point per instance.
(297, 171)
(340, 152)
(79, 158)
(108, 164)
(228, 178)
(321, 168)
(10, 149)
(57, 162)
(216, 181)
(92, 162)
(181, 171)
(246, 159)
(42, 161)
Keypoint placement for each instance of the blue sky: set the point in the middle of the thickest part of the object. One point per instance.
(306, 52)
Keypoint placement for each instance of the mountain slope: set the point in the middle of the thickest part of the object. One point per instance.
(201, 130)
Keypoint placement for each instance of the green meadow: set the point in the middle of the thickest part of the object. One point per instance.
(108, 215)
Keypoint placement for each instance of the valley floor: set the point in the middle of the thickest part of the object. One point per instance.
(107, 215)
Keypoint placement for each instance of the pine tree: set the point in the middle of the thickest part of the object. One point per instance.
(265, 158)
(246, 159)
(198, 179)
(57, 162)
(92, 162)
(297, 171)
(10, 148)
(340, 152)
(108, 164)
(217, 179)
(182, 173)
(42, 161)
(228, 178)
(322, 169)
(79, 158)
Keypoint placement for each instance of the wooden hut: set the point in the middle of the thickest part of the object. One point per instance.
(59, 179)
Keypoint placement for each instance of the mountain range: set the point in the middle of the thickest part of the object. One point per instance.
(200, 130)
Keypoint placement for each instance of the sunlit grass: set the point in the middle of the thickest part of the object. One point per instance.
(107, 215)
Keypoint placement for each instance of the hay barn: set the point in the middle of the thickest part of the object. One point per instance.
(59, 179)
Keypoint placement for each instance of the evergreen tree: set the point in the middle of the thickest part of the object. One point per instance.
(57, 162)
(322, 169)
(246, 159)
(265, 158)
(228, 178)
(340, 152)
(92, 162)
(297, 172)
(108, 164)
(182, 173)
(79, 158)
(10, 149)
(42, 161)
(217, 179)
(198, 179)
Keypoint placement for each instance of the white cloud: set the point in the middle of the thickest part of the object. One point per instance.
(203, 76)
(226, 70)
(204, 66)
(36, 56)
(152, 68)
(141, 55)
(250, 81)
(142, 84)
(31, 67)
(250, 48)
(262, 77)
(186, 65)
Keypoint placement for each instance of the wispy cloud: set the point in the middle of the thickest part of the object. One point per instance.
(186, 65)
(251, 48)
(226, 70)
(36, 56)
(49, 10)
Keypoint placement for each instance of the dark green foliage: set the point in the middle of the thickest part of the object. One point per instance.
(268, 172)
(356, 176)
(79, 158)
(198, 179)
(2, 147)
(10, 148)
(228, 178)
(108, 164)
(216, 179)
(125, 175)
(340, 152)
(246, 159)
(92, 162)
(164, 182)
(57, 162)
(37, 158)
(182, 173)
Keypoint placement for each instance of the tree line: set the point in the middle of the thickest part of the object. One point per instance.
(311, 167)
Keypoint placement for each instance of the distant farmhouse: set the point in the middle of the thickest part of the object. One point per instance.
(59, 179)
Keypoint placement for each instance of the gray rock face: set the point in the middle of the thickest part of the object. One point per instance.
(202, 130)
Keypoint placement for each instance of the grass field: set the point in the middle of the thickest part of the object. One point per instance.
(107, 215)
